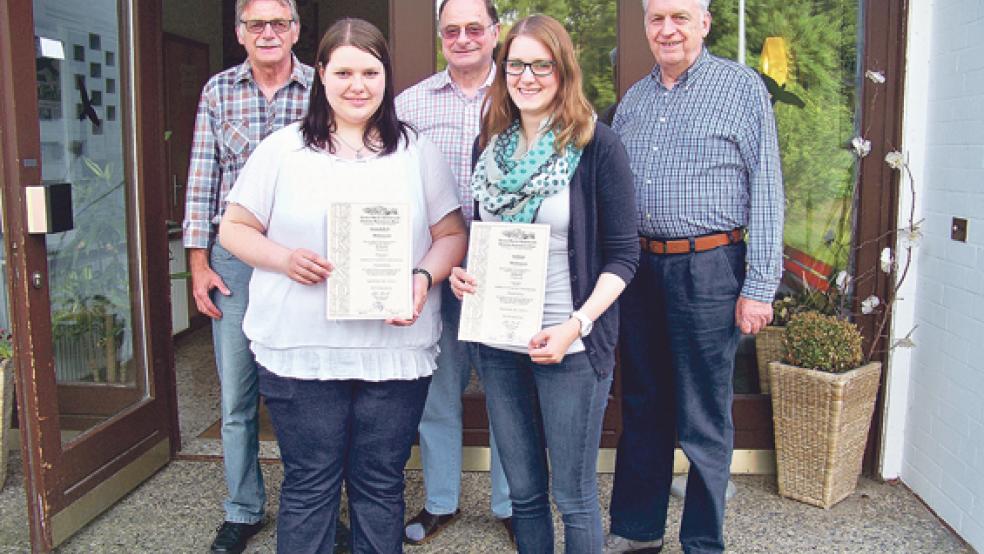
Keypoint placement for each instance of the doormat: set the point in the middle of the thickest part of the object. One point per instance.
(214, 431)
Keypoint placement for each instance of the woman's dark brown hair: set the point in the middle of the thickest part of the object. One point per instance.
(384, 125)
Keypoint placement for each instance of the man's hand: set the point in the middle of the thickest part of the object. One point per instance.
(752, 316)
(203, 280)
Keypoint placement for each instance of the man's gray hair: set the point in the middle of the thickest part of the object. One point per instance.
(705, 4)
(292, 4)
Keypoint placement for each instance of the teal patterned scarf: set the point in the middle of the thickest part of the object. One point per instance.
(514, 189)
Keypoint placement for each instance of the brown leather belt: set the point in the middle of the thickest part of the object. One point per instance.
(695, 244)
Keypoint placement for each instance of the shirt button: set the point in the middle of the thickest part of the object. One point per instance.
(649, 215)
(573, 278)
(571, 252)
(662, 120)
(649, 181)
(655, 148)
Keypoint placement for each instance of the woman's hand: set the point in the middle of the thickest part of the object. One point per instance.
(307, 267)
(550, 345)
(420, 283)
(462, 282)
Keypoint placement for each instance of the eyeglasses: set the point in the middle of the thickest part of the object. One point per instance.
(256, 26)
(539, 68)
(472, 31)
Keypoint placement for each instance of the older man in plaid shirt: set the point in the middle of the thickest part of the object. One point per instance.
(239, 107)
(446, 108)
(701, 139)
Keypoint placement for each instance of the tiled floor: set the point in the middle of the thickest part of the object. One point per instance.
(178, 509)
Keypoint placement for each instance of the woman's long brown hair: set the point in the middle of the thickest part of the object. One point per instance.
(572, 113)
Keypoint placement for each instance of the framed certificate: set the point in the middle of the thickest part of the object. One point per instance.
(369, 245)
(509, 261)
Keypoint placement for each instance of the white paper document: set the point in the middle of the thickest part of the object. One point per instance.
(509, 261)
(369, 245)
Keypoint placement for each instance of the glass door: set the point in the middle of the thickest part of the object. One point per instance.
(95, 409)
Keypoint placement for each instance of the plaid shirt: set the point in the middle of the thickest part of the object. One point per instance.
(706, 159)
(440, 111)
(233, 117)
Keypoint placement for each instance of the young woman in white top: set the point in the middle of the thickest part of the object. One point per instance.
(345, 396)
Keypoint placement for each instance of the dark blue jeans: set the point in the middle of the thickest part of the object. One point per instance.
(328, 431)
(678, 342)
(534, 409)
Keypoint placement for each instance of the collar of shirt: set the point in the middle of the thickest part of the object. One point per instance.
(444, 79)
(245, 72)
(687, 76)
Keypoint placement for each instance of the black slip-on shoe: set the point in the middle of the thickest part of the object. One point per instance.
(232, 537)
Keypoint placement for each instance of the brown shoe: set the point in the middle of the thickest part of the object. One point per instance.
(507, 523)
(425, 526)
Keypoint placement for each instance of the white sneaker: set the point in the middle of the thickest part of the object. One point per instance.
(615, 544)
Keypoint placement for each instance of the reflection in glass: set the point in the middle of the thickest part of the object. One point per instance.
(88, 266)
(807, 53)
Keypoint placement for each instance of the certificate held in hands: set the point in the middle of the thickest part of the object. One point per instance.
(369, 245)
(509, 261)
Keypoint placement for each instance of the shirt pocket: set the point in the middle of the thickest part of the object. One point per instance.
(235, 141)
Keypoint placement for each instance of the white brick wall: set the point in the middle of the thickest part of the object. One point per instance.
(941, 435)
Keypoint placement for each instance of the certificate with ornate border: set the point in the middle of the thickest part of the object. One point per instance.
(509, 262)
(369, 245)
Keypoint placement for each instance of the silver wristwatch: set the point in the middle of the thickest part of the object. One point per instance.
(586, 323)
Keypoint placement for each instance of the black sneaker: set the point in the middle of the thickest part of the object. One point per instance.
(232, 537)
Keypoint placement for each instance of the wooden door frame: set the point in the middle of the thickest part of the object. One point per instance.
(882, 48)
(58, 475)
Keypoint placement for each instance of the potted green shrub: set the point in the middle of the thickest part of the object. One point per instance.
(823, 398)
(769, 345)
(6, 398)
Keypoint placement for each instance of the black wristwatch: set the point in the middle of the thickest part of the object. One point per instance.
(425, 273)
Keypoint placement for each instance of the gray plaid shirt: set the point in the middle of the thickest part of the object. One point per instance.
(706, 159)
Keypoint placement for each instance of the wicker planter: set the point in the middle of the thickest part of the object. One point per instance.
(768, 348)
(6, 405)
(821, 428)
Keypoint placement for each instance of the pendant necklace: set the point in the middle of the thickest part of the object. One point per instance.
(358, 151)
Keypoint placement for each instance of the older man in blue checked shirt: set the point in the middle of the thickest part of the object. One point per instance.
(701, 138)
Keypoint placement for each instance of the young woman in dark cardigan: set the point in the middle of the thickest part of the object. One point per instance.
(542, 158)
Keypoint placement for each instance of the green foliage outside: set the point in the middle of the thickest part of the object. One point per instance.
(6, 345)
(592, 26)
(822, 342)
(821, 38)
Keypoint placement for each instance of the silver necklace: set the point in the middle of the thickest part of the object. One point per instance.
(358, 151)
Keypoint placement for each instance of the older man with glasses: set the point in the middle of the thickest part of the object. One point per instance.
(239, 107)
(446, 108)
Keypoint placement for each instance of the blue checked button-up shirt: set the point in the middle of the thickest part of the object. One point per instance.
(233, 117)
(706, 159)
(439, 109)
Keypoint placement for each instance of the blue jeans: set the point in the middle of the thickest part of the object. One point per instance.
(329, 431)
(440, 427)
(240, 396)
(539, 408)
(677, 365)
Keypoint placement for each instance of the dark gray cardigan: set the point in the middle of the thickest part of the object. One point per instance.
(603, 236)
